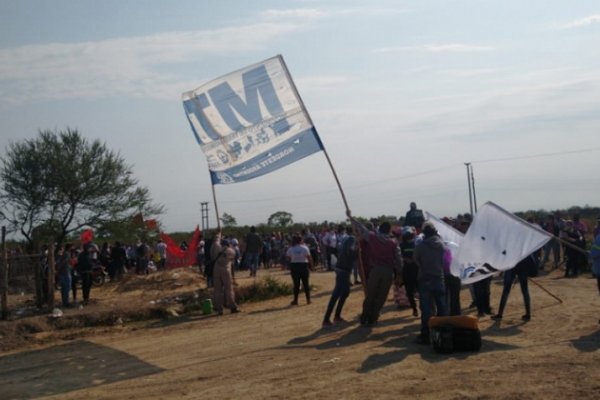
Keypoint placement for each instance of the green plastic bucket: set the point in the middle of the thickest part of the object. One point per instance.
(207, 306)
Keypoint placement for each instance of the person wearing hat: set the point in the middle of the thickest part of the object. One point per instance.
(429, 256)
(223, 255)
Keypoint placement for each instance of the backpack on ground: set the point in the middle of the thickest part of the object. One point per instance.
(454, 334)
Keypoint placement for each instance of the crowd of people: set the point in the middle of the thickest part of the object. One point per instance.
(79, 266)
(412, 258)
(409, 257)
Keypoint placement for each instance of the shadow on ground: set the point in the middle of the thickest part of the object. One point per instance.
(588, 343)
(65, 368)
(400, 341)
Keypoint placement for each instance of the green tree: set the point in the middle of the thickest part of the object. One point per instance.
(280, 219)
(64, 182)
(228, 220)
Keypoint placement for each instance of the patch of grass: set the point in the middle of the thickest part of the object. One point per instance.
(264, 289)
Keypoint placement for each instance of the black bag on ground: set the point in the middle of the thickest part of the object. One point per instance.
(448, 339)
(442, 339)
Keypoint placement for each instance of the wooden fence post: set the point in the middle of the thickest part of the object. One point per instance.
(39, 279)
(4, 277)
(51, 269)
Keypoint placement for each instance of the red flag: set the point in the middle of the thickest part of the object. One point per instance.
(86, 236)
(151, 224)
(181, 258)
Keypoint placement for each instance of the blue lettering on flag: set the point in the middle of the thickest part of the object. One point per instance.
(294, 149)
(256, 82)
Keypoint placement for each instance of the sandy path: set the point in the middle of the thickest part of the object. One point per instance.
(272, 350)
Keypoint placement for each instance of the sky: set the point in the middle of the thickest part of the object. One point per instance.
(402, 94)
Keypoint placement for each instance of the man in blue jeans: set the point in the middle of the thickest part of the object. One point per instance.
(254, 245)
(429, 256)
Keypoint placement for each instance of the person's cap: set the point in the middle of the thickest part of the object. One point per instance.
(428, 225)
(224, 242)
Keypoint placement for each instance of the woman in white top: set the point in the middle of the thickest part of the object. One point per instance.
(300, 262)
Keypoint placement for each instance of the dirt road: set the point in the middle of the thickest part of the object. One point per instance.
(273, 351)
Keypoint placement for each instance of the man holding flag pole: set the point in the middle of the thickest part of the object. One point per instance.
(252, 122)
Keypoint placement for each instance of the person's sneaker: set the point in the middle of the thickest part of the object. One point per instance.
(220, 312)
(235, 310)
(294, 303)
(526, 317)
(339, 320)
(496, 317)
(415, 313)
(327, 324)
(308, 301)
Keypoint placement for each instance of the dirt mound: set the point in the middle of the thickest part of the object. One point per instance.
(163, 280)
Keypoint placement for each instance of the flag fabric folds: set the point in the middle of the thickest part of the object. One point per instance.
(452, 238)
(496, 241)
(176, 257)
(447, 233)
(250, 122)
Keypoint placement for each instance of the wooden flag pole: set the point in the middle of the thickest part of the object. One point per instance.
(216, 207)
(339, 185)
(545, 290)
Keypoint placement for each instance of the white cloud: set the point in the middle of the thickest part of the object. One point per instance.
(294, 13)
(589, 20)
(122, 65)
(320, 81)
(327, 12)
(436, 48)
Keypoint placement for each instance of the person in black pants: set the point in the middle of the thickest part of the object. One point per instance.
(520, 271)
(84, 267)
(573, 236)
(482, 296)
(453, 290)
(411, 269)
(343, 268)
(300, 261)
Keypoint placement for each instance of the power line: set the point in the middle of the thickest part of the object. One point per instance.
(414, 175)
(560, 153)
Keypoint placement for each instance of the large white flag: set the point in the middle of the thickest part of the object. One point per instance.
(496, 241)
(452, 238)
(448, 233)
(250, 122)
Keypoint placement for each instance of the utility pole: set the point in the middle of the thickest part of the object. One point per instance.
(468, 165)
(204, 211)
(473, 185)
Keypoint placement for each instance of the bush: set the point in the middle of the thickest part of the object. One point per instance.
(265, 289)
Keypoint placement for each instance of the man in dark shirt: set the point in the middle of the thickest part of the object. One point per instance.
(253, 249)
(414, 217)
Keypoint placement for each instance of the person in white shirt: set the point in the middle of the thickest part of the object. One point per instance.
(330, 244)
(300, 262)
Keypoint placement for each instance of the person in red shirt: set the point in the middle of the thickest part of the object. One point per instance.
(386, 260)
